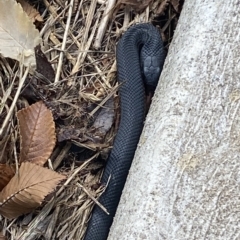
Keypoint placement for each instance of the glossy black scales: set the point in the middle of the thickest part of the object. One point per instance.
(140, 57)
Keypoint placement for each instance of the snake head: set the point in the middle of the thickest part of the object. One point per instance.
(152, 70)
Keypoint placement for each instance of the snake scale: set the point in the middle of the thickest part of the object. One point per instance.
(140, 57)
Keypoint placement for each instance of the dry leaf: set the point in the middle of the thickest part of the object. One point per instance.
(33, 14)
(18, 35)
(6, 173)
(44, 67)
(37, 132)
(27, 189)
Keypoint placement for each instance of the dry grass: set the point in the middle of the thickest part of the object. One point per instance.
(79, 40)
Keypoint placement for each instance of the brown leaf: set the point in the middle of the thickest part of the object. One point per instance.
(6, 173)
(27, 189)
(33, 14)
(37, 132)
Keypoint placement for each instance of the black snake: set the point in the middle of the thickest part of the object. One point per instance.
(140, 57)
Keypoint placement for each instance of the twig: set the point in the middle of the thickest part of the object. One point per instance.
(6, 95)
(61, 155)
(86, 43)
(76, 172)
(10, 112)
(93, 198)
(103, 24)
(59, 68)
(126, 18)
(31, 229)
(82, 55)
(89, 20)
(114, 89)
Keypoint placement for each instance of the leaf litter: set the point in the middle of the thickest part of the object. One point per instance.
(75, 79)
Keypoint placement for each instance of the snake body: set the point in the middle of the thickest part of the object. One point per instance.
(140, 57)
